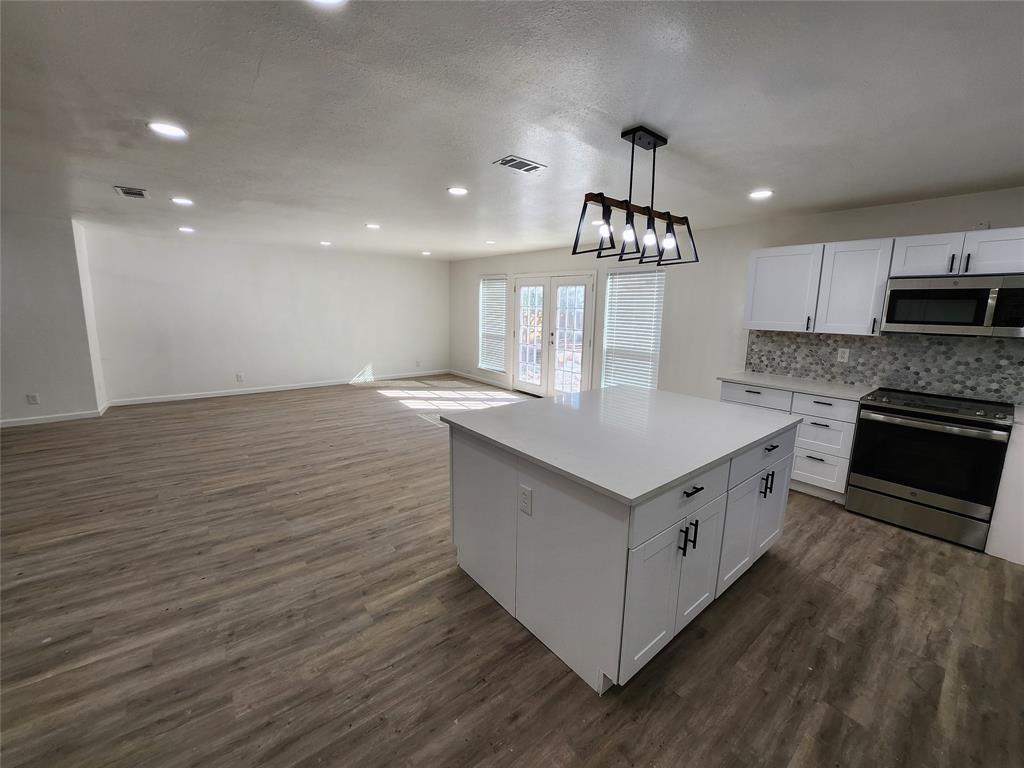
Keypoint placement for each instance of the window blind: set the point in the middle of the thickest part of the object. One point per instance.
(493, 292)
(632, 328)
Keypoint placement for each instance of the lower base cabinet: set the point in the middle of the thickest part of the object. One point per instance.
(754, 518)
(669, 580)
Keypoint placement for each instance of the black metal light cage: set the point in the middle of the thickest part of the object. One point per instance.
(665, 251)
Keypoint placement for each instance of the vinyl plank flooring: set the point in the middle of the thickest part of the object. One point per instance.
(268, 580)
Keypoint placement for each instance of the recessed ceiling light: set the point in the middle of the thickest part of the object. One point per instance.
(425, 253)
(488, 242)
(328, 2)
(169, 130)
(325, 242)
(187, 230)
(458, 191)
(371, 225)
(181, 201)
(761, 194)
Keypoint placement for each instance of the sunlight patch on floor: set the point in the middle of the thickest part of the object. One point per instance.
(451, 400)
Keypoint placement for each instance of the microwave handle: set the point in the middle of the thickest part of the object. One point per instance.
(952, 259)
(997, 435)
(990, 310)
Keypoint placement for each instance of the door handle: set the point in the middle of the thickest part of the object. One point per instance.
(821, 402)
(808, 326)
(693, 541)
(764, 490)
(686, 540)
(967, 264)
(814, 458)
(753, 391)
(693, 491)
(874, 322)
(952, 258)
(771, 481)
(819, 424)
(770, 448)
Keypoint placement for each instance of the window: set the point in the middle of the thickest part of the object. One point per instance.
(493, 291)
(632, 328)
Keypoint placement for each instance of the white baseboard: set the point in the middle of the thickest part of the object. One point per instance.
(73, 416)
(272, 388)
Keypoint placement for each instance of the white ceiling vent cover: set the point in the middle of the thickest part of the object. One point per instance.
(520, 164)
(136, 192)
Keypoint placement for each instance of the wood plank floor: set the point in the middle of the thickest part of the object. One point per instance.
(267, 580)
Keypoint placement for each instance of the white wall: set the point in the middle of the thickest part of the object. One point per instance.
(180, 315)
(702, 334)
(45, 344)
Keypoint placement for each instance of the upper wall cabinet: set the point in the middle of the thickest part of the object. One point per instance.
(993, 251)
(782, 288)
(852, 289)
(927, 255)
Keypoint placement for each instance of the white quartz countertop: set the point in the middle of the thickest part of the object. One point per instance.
(629, 443)
(807, 386)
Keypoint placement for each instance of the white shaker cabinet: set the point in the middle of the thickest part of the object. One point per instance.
(852, 290)
(771, 511)
(782, 288)
(698, 567)
(923, 255)
(738, 531)
(993, 251)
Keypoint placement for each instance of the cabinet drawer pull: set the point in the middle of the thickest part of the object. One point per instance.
(752, 391)
(874, 322)
(814, 458)
(771, 481)
(967, 264)
(819, 424)
(693, 491)
(770, 448)
(821, 402)
(764, 489)
(808, 326)
(952, 258)
(696, 525)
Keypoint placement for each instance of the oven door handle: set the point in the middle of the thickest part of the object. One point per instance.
(982, 434)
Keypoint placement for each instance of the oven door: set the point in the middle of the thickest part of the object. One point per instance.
(960, 306)
(950, 466)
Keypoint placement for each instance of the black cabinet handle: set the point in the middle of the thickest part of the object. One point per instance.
(821, 402)
(770, 448)
(815, 458)
(952, 258)
(693, 541)
(874, 322)
(967, 264)
(693, 491)
(764, 490)
(819, 424)
(686, 540)
(753, 391)
(808, 326)
(771, 481)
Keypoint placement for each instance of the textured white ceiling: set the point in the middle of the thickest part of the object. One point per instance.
(307, 122)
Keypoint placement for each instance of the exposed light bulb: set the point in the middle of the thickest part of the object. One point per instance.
(668, 242)
(628, 234)
(650, 238)
(605, 230)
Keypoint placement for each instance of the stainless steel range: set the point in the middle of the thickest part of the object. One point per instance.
(929, 463)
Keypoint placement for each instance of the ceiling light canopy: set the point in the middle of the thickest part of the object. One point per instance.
(658, 245)
(182, 201)
(458, 191)
(186, 230)
(168, 130)
(761, 194)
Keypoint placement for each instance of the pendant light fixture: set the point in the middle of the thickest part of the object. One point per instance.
(650, 247)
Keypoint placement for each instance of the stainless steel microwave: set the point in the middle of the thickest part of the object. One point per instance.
(990, 305)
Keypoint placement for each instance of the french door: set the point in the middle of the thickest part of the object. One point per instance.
(553, 333)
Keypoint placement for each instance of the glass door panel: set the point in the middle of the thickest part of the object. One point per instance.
(570, 342)
(530, 373)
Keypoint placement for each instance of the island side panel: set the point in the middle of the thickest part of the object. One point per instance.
(484, 487)
(571, 572)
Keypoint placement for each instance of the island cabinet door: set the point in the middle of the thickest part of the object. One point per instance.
(698, 570)
(652, 584)
(771, 509)
(738, 530)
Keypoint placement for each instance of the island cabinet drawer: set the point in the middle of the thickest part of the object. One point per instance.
(765, 453)
(779, 399)
(821, 469)
(817, 433)
(829, 407)
(654, 516)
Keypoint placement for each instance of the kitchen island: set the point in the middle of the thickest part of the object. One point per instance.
(606, 521)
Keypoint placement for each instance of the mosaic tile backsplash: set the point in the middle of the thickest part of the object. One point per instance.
(964, 366)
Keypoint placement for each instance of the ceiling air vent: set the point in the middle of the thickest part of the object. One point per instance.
(137, 192)
(521, 164)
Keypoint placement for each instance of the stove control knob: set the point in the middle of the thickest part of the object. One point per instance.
(1002, 416)
(980, 413)
(885, 399)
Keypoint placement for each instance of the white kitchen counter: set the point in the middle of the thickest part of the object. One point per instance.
(628, 443)
(807, 386)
